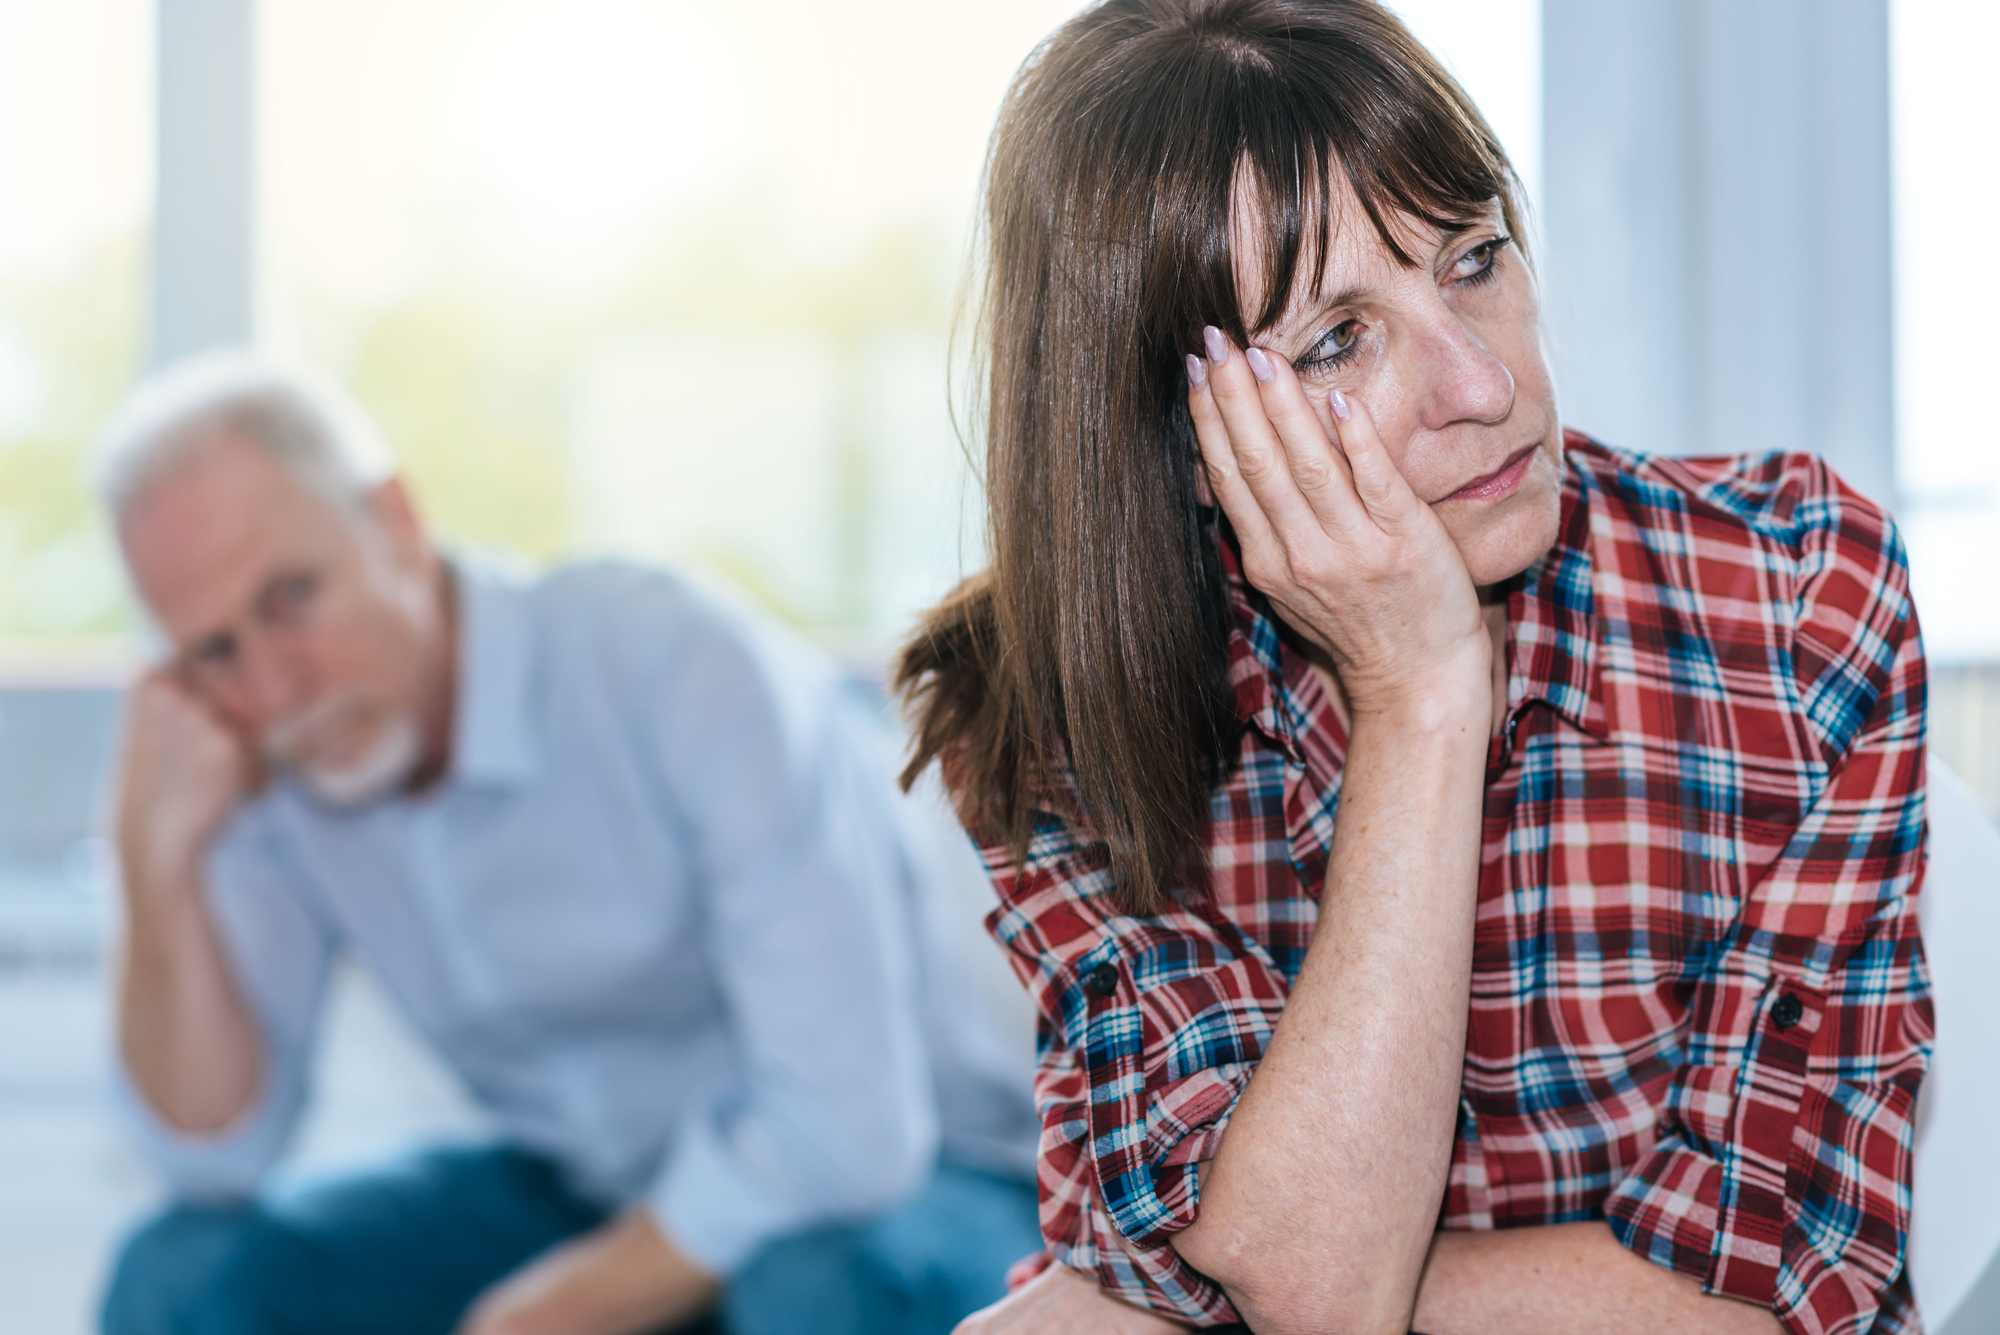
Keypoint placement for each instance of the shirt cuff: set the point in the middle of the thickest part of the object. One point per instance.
(1681, 1207)
(1668, 1210)
(717, 1210)
(222, 1165)
(1147, 1277)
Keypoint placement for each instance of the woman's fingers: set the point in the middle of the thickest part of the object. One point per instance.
(1330, 530)
(1246, 516)
(1259, 455)
(1379, 483)
(1304, 430)
(1288, 469)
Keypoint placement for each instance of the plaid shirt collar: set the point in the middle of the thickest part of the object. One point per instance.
(1553, 637)
(1554, 634)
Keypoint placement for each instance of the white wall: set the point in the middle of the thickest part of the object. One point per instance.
(204, 221)
(1716, 206)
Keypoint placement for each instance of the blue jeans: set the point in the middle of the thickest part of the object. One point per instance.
(406, 1249)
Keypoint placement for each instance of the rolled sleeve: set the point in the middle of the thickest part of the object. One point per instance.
(225, 1165)
(1780, 1182)
(832, 1114)
(1150, 1030)
(720, 1200)
(1782, 1175)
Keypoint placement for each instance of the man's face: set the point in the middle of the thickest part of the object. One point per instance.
(316, 631)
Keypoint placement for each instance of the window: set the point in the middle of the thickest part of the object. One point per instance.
(76, 172)
(1948, 466)
(1947, 344)
(671, 279)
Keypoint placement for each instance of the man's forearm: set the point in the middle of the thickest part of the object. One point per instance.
(624, 1278)
(183, 1029)
(1318, 1208)
(1566, 1279)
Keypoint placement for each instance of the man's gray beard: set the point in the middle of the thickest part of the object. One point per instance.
(386, 765)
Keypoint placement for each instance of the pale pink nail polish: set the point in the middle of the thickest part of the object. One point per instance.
(1260, 365)
(1338, 402)
(1197, 373)
(1218, 346)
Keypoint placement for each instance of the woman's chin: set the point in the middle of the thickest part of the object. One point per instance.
(1499, 541)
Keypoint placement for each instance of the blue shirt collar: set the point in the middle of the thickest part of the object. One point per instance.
(494, 743)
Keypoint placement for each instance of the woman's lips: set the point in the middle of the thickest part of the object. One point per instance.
(1500, 481)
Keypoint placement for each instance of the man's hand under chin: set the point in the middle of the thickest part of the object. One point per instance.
(181, 773)
(624, 1278)
(1061, 1302)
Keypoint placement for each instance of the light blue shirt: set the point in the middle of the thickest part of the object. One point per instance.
(665, 918)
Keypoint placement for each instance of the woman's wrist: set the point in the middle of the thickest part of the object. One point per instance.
(1443, 698)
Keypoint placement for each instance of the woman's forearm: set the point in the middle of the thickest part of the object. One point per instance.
(1318, 1209)
(1566, 1279)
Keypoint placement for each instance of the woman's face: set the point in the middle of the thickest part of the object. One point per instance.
(1448, 358)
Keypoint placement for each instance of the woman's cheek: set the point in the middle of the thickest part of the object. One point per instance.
(1393, 402)
(1525, 343)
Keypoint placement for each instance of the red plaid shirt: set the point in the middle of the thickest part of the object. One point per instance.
(1699, 1004)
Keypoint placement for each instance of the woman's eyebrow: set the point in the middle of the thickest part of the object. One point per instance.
(1355, 292)
(1447, 239)
(1301, 324)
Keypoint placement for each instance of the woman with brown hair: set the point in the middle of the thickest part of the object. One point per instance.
(1465, 872)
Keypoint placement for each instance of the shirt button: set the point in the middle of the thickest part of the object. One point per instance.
(1788, 1011)
(1102, 981)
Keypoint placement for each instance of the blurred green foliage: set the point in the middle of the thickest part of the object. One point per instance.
(79, 332)
(469, 374)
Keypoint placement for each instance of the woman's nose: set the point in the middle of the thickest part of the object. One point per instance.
(1465, 381)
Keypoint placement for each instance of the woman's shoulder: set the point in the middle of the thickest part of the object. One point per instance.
(1790, 514)
(1762, 551)
(1782, 498)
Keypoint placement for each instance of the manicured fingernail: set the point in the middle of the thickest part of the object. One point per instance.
(1260, 365)
(1218, 346)
(1197, 373)
(1338, 402)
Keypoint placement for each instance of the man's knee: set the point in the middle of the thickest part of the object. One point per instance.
(918, 1269)
(185, 1271)
(823, 1280)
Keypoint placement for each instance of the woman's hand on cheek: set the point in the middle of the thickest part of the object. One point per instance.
(1332, 533)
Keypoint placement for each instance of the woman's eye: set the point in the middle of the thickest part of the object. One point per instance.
(1478, 264)
(1335, 346)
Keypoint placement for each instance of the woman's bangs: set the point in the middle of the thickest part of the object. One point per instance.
(1434, 165)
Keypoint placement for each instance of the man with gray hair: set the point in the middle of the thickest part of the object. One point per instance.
(623, 855)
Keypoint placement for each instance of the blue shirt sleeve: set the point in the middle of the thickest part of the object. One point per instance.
(772, 778)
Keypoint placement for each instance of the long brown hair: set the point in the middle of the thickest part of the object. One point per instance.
(1085, 670)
